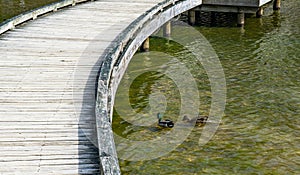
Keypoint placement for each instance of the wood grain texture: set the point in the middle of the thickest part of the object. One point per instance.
(48, 70)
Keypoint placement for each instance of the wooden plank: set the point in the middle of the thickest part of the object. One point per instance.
(41, 131)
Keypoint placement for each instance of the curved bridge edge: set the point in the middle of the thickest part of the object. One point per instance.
(113, 68)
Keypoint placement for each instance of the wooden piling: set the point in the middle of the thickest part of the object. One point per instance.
(241, 19)
(213, 19)
(167, 29)
(259, 12)
(276, 5)
(192, 17)
(146, 45)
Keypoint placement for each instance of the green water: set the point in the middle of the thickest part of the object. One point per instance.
(259, 132)
(11, 8)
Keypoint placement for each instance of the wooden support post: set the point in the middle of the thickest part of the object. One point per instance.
(241, 19)
(259, 12)
(213, 19)
(192, 17)
(276, 5)
(146, 45)
(34, 16)
(167, 29)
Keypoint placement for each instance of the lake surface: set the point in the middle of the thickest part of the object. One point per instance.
(11, 8)
(259, 132)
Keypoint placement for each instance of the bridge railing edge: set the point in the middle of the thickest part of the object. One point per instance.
(11, 23)
(105, 89)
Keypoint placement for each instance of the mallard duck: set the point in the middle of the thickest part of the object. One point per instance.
(166, 123)
(196, 120)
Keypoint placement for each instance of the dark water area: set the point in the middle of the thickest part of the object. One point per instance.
(11, 8)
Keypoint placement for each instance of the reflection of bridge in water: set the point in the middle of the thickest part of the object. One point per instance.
(49, 70)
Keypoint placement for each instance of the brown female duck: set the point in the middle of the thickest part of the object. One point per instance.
(197, 120)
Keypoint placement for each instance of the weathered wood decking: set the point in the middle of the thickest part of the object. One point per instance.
(48, 72)
(47, 87)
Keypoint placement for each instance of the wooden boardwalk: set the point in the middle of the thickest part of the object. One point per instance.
(47, 86)
(49, 69)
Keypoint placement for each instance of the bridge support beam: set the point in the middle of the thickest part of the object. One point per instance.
(146, 45)
(192, 17)
(276, 5)
(259, 12)
(167, 29)
(241, 19)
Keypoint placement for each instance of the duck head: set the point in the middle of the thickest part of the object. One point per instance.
(186, 118)
(159, 117)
